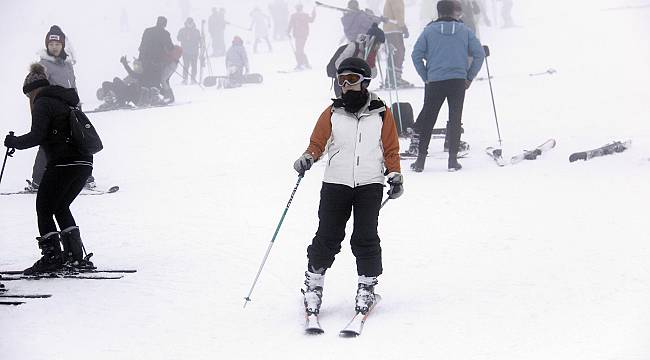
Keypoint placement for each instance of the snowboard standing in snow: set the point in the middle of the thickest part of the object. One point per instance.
(533, 154)
(615, 147)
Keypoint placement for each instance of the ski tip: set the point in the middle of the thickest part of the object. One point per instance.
(348, 334)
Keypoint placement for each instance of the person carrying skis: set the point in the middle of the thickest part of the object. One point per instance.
(359, 134)
(299, 28)
(365, 47)
(444, 45)
(190, 39)
(355, 21)
(65, 175)
(59, 67)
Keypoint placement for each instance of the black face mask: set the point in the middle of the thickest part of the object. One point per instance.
(354, 100)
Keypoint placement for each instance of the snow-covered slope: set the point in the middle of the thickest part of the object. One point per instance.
(542, 260)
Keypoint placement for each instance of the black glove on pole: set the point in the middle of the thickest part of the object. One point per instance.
(10, 152)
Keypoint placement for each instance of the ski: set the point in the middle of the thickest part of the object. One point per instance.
(496, 154)
(84, 271)
(13, 303)
(355, 326)
(434, 155)
(533, 154)
(84, 192)
(312, 325)
(345, 10)
(59, 276)
(27, 296)
(615, 147)
(133, 108)
(110, 190)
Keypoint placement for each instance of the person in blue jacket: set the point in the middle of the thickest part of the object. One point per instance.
(440, 56)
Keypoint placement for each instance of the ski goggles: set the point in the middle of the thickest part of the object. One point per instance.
(350, 79)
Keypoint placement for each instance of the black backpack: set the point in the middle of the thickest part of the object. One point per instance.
(82, 133)
(331, 66)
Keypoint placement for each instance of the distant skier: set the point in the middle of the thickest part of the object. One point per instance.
(260, 25)
(216, 28)
(154, 48)
(65, 176)
(440, 58)
(355, 21)
(365, 47)
(395, 34)
(359, 134)
(299, 28)
(279, 10)
(190, 39)
(236, 63)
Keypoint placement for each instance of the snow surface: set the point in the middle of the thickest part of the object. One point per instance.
(542, 260)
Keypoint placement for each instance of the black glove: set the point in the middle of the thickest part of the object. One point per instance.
(405, 32)
(11, 141)
(396, 181)
(303, 163)
(123, 60)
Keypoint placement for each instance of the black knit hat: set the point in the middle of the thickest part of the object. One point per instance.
(356, 65)
(35, 79)
(55, 34)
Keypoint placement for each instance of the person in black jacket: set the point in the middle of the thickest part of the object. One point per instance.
(65, 175)
(155, 45)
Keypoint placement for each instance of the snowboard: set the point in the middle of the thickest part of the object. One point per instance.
(496, 155)
(615, 147)
(533, 154)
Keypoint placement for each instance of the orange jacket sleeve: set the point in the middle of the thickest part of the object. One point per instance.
(390, 142)
(321, 134)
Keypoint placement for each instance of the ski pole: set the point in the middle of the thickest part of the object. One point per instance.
(10, 153)
(392, 63)
(275, 234)
(487, 54)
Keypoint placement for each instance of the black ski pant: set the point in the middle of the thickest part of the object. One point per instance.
(58, 189)
(190, 62)
(336, 205)
(435, 93)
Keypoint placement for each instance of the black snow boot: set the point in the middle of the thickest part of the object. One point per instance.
(453, 164)
(313, 293)
(418, 165)
(365, 294)
(73, 254)
(52, 259)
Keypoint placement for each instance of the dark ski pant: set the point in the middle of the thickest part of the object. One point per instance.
(59, 188)
(435, 93)
(396, 39)
(336, 204)
(301, 57)
(190, 61)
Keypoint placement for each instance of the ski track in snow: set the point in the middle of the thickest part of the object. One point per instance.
(541, 260)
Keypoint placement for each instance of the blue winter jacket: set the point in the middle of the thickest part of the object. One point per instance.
(441, 52)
